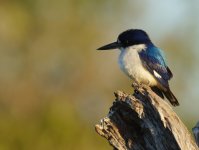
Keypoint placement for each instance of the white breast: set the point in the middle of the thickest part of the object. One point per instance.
(131, 65)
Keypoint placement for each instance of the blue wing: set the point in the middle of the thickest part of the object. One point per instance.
(153, 60)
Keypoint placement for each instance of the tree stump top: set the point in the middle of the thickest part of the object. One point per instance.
(144, 121)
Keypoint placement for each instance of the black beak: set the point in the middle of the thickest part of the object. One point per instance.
(110, 46)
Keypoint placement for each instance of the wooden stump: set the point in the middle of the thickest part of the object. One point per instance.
(144, 121)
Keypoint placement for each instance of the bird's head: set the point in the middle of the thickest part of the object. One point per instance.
(128, 38)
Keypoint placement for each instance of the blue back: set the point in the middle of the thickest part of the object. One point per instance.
(157, 53)
(153, 60)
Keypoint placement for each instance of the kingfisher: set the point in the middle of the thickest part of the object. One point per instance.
(143, 62)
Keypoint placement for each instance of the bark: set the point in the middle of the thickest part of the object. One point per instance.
(144, 121)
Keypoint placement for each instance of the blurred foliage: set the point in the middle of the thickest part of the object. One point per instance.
(54, 85)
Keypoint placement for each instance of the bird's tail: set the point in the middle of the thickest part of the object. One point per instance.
(169, 95)
(157, 91)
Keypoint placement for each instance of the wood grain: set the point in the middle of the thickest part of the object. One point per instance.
(144, 121)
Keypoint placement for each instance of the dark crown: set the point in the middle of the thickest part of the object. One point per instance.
(133, 37)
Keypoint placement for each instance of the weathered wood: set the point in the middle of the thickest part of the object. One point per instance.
(196, 133)
(144, 121)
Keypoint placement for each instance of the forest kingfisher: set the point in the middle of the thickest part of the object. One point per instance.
(143, 62)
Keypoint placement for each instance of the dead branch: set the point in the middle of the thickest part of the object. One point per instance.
(144, 121)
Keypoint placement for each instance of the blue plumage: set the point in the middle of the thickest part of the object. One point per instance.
(153, 60)
(143, 62)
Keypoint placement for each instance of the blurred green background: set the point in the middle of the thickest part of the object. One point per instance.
(55, 86)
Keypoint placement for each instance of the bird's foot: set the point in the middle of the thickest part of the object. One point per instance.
(137, 85)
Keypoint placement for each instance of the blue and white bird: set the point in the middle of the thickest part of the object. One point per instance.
(143, 62)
